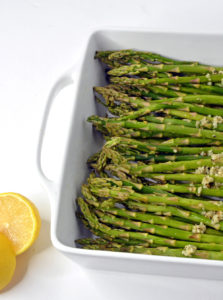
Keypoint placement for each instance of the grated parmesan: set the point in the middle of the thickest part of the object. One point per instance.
(217, 120)
(216, 156)
(199, 228)
(199, 191)
(189, 250)
(206, 181)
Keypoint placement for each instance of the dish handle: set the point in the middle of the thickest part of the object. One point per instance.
(61, 83)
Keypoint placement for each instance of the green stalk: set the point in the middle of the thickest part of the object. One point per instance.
(148, 218)
(115, 242)
(135, 69)
(164, 91)
(190, 89)
(165, 81)
(145, 55)
(174, 211)
(142, 236)
(195, 178)
(207, 88)
(124, 194)
(160, 158)
(197, 190)
(163, 251)
(135, 91)
(189, 141)
(205, 110)
(145, 126)
(185, 122)
(155, 229)
(200, 99)
(136, 102)
(150, 148)
(187, 115)
(178, 166)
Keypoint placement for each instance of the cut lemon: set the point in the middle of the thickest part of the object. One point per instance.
(7, 261)
(19, 221)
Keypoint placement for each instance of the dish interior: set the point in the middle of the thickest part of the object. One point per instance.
(83, 140)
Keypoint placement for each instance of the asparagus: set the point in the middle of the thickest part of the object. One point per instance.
(117, 243)
(164, 91)
(124, 194)
(197, 190)
(111, 95)
(141, 236)
(187, 115)
(213, 231)
(174, 211)
(155, 229)
(148, 218)
(154, 127)
(136, 102)
(204, 110)
(163, 251)
(195, 178)
(143, 92)
(158, 91)
(145, 55)
(206, 88)
(104, 57)
(131, 153)
(178, 166)
(192, 89)
(135, 69)
(163, 147)
(166, 81)
(188, 141)
(200, 99)
(147, 157)
(160, 158)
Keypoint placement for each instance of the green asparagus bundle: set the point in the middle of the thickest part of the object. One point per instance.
(156, 185)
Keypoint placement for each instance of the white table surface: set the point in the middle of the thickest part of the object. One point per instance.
(40, 39)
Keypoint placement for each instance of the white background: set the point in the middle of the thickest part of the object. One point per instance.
(39, 40)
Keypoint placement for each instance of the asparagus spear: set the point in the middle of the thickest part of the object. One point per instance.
(178, 166)
(200, 99)
(136, 102)
(148, 218)
(150, 148)
(187, 115)
(124, 194)
(195, 178)
(160, 158)
(164, 91)
(143, 92)
(135, 69)
(206, 88)
(142, 236)
(166, 81)
(111, 95)
(184, 122)
(145, 126)
(163, 251)
(145, 55)
(117, 243)
(188, 141)
(171, 210)
(155, 229)
(193, 89)
(197, 190)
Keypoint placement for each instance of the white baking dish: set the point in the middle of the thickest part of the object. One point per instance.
(83, 142)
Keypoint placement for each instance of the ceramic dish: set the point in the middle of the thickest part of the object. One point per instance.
(83, 142)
